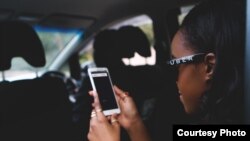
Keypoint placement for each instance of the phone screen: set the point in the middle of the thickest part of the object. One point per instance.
(104, 89)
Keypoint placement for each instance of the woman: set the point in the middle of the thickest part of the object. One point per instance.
(210, 80)
(207, 53)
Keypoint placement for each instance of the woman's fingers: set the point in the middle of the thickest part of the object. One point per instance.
(91, 93)
(102, 127)
(121, 94)
(113, 119)
(97, 106)
(114, 122)
(118, 91)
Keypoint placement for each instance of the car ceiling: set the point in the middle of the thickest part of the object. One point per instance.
(79, 13)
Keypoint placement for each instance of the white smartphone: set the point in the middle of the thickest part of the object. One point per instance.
(102, 84)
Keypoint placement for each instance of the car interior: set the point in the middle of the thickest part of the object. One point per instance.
(57, 41)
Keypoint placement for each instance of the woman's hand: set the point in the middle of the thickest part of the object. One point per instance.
(129, 114)
(129, 117)
(102, 128)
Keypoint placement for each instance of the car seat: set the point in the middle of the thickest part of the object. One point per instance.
(31, 109)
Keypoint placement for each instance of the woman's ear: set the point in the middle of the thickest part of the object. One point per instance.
(210, 61)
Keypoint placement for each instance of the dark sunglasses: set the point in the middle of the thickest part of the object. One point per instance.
(174, 63)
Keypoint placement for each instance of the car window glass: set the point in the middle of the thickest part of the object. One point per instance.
(184, 11)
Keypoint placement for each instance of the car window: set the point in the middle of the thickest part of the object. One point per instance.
(54, 40)
(183, 12)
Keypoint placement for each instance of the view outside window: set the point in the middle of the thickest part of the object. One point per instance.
(184, 11)
(54, 40)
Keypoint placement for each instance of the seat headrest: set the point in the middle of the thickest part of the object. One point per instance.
(106, 51)
(134, 39)
(19, 39)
